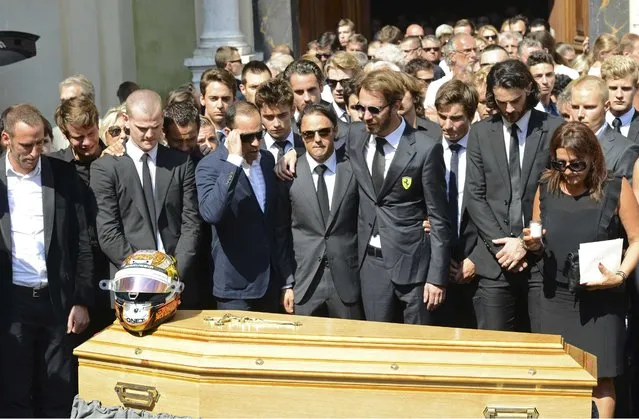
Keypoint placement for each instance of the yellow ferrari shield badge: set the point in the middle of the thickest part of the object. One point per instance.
(406, 182)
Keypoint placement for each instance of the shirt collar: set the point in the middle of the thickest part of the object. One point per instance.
(10, 172)
(626, 119)
(601, 130)
(270, 140)
(330, 163)
(339, 111)
(463, 142)
(522, 124)
(136, 152)
(394, 137)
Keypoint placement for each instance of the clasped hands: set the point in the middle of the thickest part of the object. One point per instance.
(512, 256)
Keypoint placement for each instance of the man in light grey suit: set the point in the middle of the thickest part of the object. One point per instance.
(146, 199)
(316, 233)
(589, 103)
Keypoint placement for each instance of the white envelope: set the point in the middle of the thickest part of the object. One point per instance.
(608, 252)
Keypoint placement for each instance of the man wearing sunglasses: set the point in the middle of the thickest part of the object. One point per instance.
(341, 67)
(146, 198)
(506, 155)
(235, 186)
(589, 103)
(316, 234)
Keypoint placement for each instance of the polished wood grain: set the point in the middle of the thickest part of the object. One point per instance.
(336, 368)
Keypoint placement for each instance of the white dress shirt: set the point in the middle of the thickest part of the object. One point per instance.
(392, 142)
(326, 94)
(567, 71)
(329, 174)
(522, 132)
(341, 113)
(461, 172)
(626, 120)
(269, 142)
(28, 255)
(136, 153)
(433, 88)
(254, 173)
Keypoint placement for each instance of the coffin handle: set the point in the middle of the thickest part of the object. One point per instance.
(493, 412)
(137, 396)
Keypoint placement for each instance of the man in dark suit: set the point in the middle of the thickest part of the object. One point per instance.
(401, 177)
(621, 75)
(274, 99)
(589, 102)
(147, 198)
(506, 156)
(235, 186)
(317, 226)
(46, 269)
(78, 120)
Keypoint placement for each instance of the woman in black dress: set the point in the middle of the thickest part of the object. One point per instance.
(579, 201)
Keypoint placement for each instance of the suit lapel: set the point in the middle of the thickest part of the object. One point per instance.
(403, 155)
(343, 178)
(499, 148)
(163, 177)
(606, 141)
(633, 131)
(48, 201)
(305, 183)
(361, 149)
(5, 218)
(536, 128)
(130, 174)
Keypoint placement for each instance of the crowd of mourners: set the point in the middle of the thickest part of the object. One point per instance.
(434, 179)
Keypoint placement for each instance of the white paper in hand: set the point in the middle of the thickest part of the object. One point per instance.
(608, 252)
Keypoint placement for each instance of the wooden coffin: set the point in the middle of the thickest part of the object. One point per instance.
(292, 366)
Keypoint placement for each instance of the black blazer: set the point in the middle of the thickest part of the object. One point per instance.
(67, 249)
(431, 129)
(488, 181)
(302, 239)
(122, 224)
(633, 132)
(243, 235)
(619, 152)
(414, 188)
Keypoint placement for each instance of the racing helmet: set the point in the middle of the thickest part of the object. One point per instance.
(147, 290)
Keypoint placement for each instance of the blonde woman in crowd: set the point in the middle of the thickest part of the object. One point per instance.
(605, 45)
(112, 127)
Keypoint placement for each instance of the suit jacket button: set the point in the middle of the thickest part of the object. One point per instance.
(506, 221)
(326, 237)
(319, 259)
(506, 203)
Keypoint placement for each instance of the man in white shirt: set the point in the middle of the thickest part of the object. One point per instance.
(621, 74)
(274, 99)
(47, 270)
(317, 226)
(235, 186)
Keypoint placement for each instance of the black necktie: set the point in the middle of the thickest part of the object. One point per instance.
(147, 186)
(377, 171)
(322, 193)
(379, 164)
(453, 190)
(515, 214)
(281, 146)
(616, 124)
(220, 137)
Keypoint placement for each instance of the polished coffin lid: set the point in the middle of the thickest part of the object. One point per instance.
(247, 345)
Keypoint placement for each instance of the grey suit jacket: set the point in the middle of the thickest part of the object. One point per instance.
(121, 221)
(488, 190)
(619, 152)
(414, 188)
(633, 132)
(302, 239)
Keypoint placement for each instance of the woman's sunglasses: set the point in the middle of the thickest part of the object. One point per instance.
(115, 131)
(575, 166)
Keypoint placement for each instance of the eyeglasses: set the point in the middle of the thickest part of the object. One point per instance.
(409, 51)
(575, 166)
(333, 83)
(325, 56)
(115, 131)
(373, 110)
(248, 137)
(310, 135)
(432, 49)
(427, 81)
(490, 37)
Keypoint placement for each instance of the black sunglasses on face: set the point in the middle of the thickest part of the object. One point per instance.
(373, 110)
(324, 56)
(575, 166)
(310, 135)
(431, 49)
(332, 83)
(248, 137)
(491, 37)
(115, 131)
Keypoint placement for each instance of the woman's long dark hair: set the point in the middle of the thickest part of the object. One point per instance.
(580, 140)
